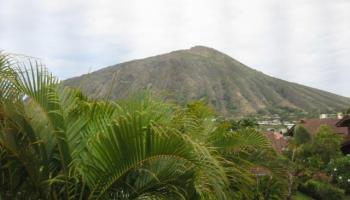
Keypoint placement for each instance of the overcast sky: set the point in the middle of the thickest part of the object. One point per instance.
(304, 41)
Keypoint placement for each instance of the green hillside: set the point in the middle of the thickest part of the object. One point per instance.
(201, 72)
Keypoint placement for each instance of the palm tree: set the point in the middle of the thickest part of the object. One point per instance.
(55, 143)
(240, 152)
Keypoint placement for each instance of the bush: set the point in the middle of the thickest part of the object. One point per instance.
(271, 187)
(339, 169)
(301, 135)
(324, 148)
(327, 144)
(322, 191)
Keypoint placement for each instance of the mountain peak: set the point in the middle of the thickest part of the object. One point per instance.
(200, 48)
(204, 51)
(204, 73)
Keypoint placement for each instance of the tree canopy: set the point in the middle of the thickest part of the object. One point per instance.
(301, 135)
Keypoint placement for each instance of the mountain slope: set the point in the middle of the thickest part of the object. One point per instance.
(201, 72)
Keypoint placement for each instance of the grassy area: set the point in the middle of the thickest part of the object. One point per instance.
(301, 196)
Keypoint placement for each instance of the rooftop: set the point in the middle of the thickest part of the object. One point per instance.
(312, 125)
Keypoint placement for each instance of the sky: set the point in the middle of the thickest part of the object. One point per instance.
(303, 41)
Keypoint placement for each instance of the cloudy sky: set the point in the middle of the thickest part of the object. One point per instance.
(304, 41)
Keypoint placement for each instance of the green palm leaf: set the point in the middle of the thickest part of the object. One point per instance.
(57, 144)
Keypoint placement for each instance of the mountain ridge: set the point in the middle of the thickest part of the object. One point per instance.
(231, 87)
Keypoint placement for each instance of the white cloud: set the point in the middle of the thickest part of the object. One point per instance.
(299, 40)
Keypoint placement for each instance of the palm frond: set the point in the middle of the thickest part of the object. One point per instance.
(55, 143)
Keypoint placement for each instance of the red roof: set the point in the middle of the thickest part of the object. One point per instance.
(277, 140)
(339, 126)
(313, 124)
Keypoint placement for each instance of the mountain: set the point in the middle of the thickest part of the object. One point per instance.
(201, 72)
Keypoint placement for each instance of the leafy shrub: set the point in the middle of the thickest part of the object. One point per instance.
(324, 147)
(327, 144)
(243, 123)
(272, 188)
(339, 169)
(322, 191)
(301, 135)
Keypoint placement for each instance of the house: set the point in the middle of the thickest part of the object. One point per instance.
(345, 123)
(311, 125)
(339, 126)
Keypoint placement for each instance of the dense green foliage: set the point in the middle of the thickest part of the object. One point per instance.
(242, 123)
(339, 170)
(319, 151)
(314, 160)
(321, 190)
(326, 145)
(55, 143)
(301, 135)
(229, 86)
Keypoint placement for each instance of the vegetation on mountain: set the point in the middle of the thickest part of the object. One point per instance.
(227, 85)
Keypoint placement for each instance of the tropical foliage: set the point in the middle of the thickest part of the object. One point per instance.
(301, 135)
(324, 147)
(318, 163)
(55, 143)
(243, 123)
(339, 170)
